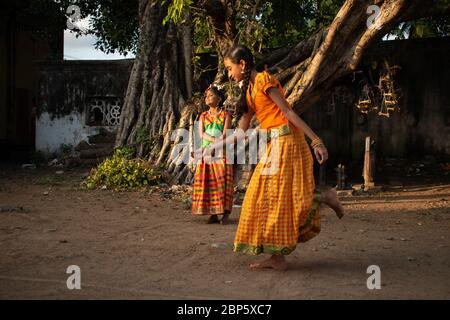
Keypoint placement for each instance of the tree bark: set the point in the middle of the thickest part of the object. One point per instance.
(223, 15)
(188, 50)
(160, 81)
(157, 88)
(341, 50)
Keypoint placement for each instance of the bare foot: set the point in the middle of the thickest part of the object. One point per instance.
(331, 199)
(276, 262)
(213, 219)
(225, 219)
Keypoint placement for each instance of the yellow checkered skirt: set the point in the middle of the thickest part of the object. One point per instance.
(280, 207)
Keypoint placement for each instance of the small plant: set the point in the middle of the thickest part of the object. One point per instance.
(126, 152)
(122, 172)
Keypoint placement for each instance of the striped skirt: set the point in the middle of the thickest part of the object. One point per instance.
(280, 207)
(213, 188)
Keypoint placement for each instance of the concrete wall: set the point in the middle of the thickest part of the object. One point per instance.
(65, 89)
(422, 127)
(19, 50)
(52, 133)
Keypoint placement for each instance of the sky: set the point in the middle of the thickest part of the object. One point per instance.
(82, 48)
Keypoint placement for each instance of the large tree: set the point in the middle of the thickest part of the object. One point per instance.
(320, 42)
(159, 85)
(344, 42)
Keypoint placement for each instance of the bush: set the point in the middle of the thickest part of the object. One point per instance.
(121, 172)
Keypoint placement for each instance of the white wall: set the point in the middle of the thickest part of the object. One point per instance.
(68, 130)
(52, 133)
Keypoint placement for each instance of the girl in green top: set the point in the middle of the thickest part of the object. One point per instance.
(213, 180)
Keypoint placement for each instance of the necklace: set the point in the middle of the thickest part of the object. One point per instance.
(214, 114)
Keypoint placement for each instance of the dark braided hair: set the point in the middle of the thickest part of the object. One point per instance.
(218, 92)
(236, 54)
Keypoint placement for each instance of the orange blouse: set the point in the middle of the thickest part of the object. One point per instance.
(267, 112)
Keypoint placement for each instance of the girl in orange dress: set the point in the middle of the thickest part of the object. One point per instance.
(281, 206)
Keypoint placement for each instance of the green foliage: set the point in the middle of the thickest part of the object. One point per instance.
(143, 138)
(250, 25)
(203, 36)
(127, 152)
(276, 23)
(288, 22)
(422, 28)
(177, 10)
(115, 25)
(438, 26)
(121, 171)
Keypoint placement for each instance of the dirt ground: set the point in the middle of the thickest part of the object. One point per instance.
(136, 245)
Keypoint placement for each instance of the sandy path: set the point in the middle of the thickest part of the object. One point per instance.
(131, 245)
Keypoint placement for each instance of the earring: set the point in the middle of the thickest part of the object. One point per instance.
(243, 71)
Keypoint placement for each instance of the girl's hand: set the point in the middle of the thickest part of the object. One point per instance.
(208, 155)
(321, 153)
(198, 153)
(207, 152)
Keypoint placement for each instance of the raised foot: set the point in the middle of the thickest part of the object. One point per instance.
(331, 199)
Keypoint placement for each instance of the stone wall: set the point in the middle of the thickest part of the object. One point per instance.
(77, 99)
(67, 90)
(421, 127)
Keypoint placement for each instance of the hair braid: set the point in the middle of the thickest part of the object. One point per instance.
(236, 54)
(242, 105)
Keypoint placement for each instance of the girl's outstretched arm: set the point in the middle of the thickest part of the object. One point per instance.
(226, 126)
(320, 151)
(244, 124)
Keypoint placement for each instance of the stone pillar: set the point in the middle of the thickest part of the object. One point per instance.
(369, 165)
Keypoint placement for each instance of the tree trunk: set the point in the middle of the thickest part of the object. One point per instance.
(343, 45)
(223, 15)
(157, 87)
(188, 51)
(160, 84)
(160, 81)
